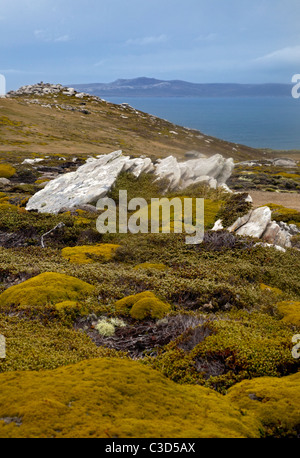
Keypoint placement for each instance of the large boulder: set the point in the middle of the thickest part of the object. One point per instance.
(95, 178)
(257, 223)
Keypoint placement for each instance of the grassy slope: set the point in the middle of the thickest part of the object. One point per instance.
(237, 331)
(31, 128)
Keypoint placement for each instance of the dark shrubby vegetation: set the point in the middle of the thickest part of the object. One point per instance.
(204, 314)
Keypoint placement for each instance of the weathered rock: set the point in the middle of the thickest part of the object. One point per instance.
(95, 178)
(4, 181)
(241, 221)
(196, 170)
(270, 245)
(284, 162)
(218, 226)
(32, 161)
(271, 232)
(257, 223)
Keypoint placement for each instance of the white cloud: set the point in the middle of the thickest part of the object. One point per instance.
(44, 35)
(144, 41)
(63, 38)
(288, 55)
(207, 38)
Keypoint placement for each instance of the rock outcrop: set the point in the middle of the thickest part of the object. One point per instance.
(44, 89)
(95, 178)
(258, 224)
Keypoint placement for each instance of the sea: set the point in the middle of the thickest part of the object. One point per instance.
(258, 122)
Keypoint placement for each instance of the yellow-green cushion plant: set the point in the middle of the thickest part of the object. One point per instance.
(114, 397)
(46, 288)
(80, 254)
(150, 266)
(7, 171)
(271, 289)
(273, 401)
(290, 311)
(143, 305)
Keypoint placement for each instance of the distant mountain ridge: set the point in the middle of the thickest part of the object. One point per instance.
(151, 87)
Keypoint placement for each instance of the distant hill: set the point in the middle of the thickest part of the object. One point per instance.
(151, 87)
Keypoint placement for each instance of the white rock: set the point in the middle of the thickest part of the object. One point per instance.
(32, 161)
(95, 178)
(269, 245)
(241, 221)
(4, 181)
(257, 223)
(218, 225)
(169, 168)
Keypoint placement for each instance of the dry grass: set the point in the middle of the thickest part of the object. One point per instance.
(288, 200)
(32, 128)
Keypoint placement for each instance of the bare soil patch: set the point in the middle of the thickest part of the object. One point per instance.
(289, 200)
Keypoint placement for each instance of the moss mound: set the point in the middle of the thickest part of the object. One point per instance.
(87, 254)
(7, 171)
(44, 289)
(274, 401)
(290, 311)
(142, 305)
(151, 266)
(105, 398)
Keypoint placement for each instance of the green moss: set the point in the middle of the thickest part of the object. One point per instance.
(142, 305)
(85, 254)
(271, 289)
(150, 266)
(114, 398)
(273, 401)
(44, 289)
(290, 311)
(149, 307)
(7, 171)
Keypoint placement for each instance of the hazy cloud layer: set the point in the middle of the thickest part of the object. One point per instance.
(76, 41)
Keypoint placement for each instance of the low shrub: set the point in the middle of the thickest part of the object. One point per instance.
(235, 346)
(234, 207)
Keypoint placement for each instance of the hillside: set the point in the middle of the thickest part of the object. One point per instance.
(151, 87)
(140, 334)
(44, 123)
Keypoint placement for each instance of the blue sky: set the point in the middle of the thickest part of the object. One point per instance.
(76, 41)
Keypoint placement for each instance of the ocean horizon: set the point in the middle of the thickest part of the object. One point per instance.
(258, 122)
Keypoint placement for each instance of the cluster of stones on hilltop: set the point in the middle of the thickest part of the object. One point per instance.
(42, 89)
(46, 88)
